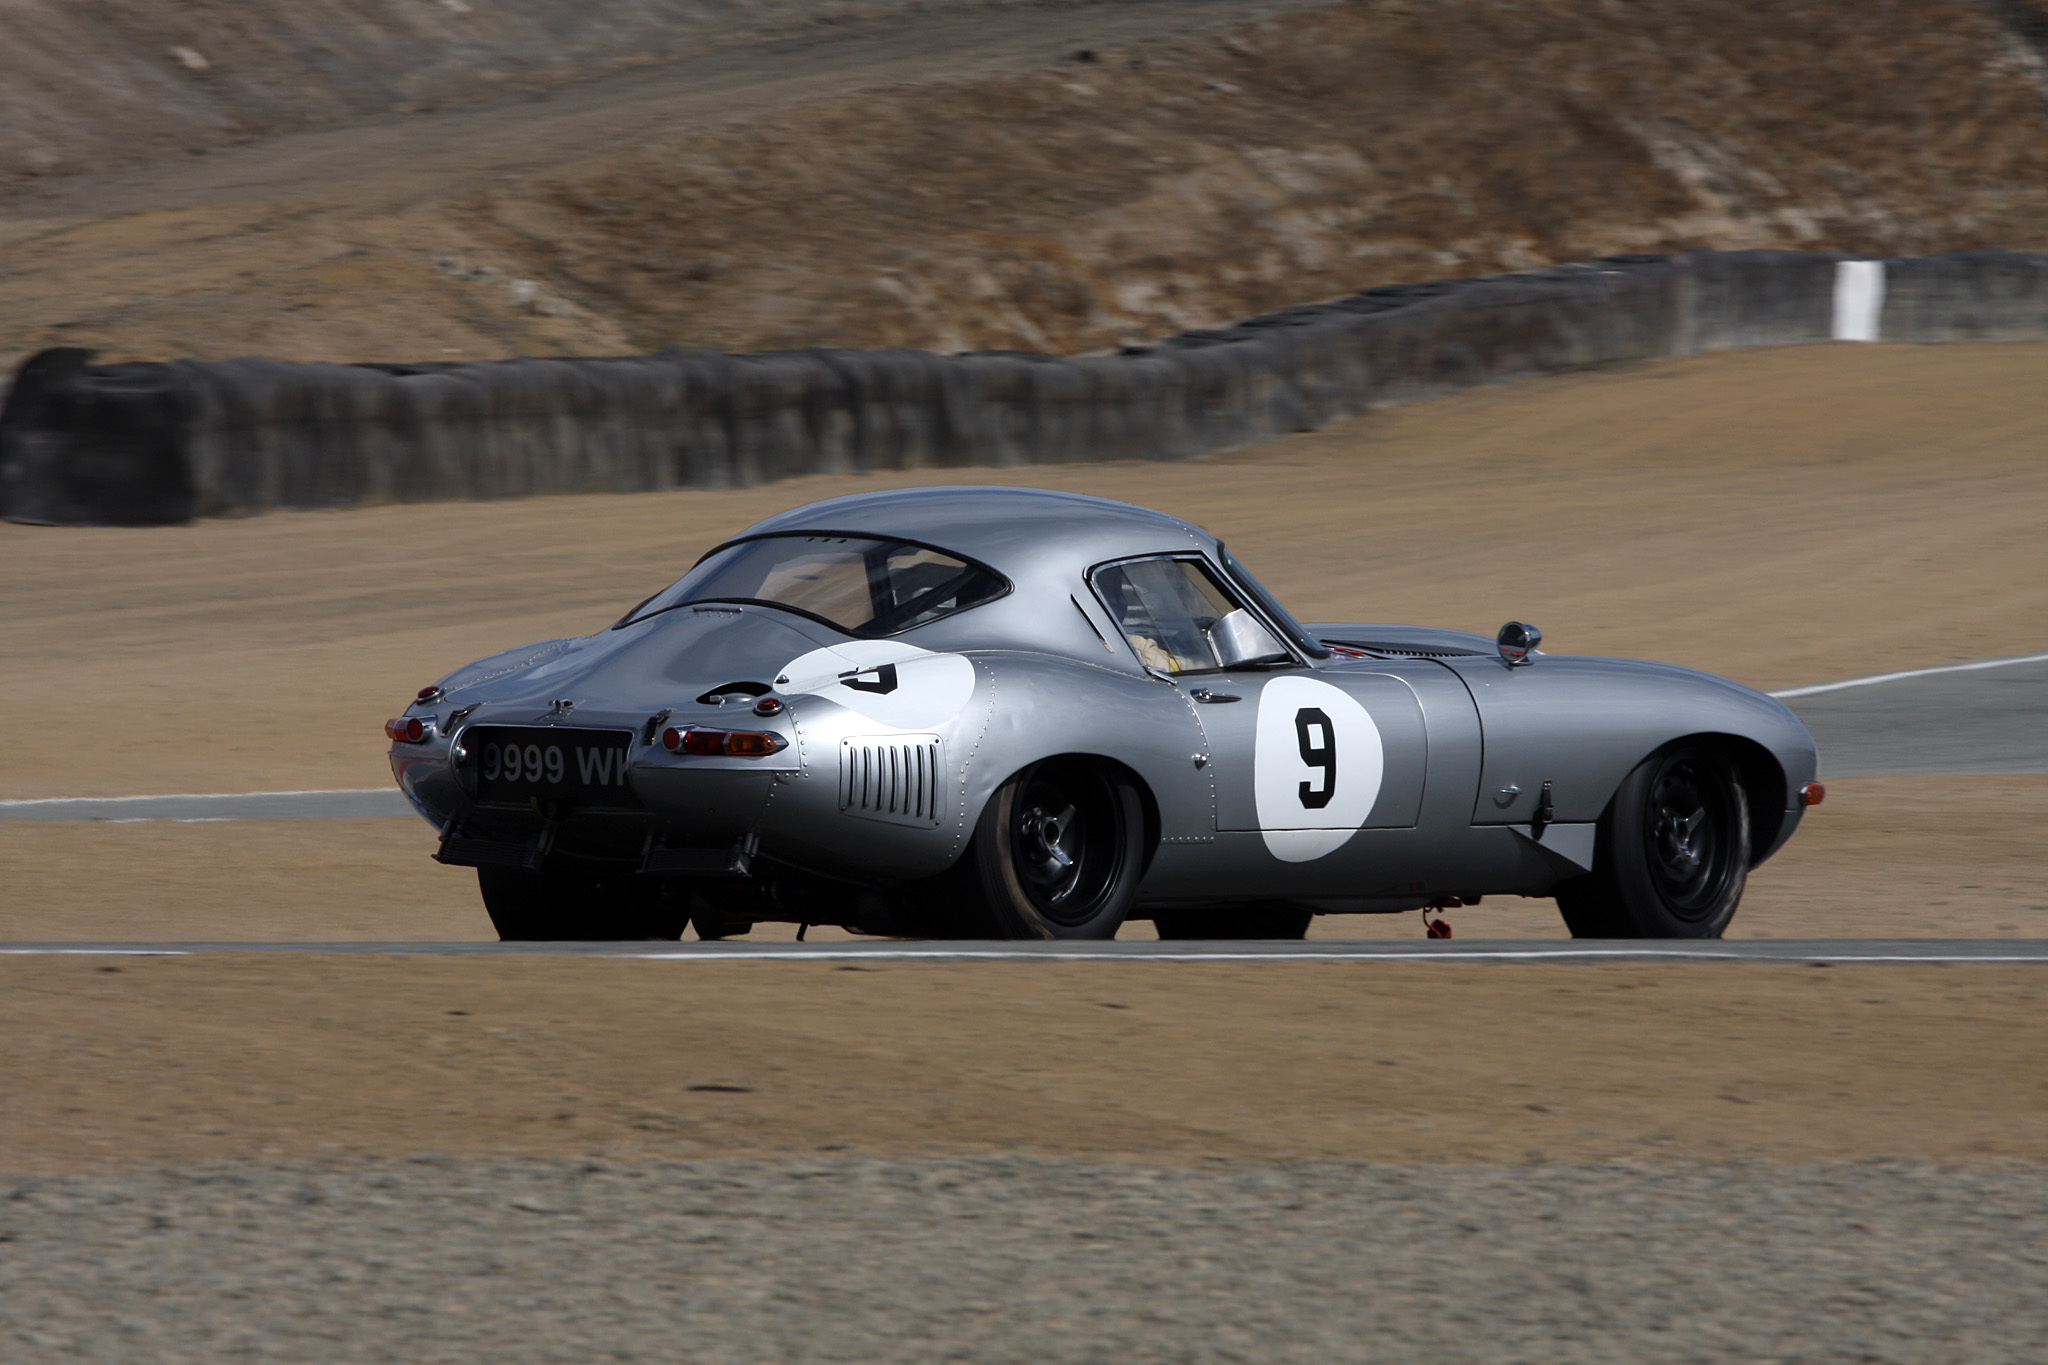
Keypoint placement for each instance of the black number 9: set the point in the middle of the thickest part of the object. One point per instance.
(1317, 753)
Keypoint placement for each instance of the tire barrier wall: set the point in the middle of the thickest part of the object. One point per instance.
(153, 444)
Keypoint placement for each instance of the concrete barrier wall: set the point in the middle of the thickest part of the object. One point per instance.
(142, 444)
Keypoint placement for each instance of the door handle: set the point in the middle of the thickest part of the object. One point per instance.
(1204, 694)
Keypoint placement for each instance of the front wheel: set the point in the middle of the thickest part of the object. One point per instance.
(1059, 851)
(1673, 852)
(558, 906)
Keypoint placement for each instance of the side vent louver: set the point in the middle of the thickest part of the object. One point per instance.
(892, 777)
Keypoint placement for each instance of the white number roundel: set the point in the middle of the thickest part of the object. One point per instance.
(1316, 769)
(887, 681)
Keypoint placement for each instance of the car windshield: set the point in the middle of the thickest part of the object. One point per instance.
(862, 586)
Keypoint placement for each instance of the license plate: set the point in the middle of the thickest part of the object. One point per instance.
(519, 764)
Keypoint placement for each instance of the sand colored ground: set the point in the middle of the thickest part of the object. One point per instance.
(1780, 517)
(152, 1061)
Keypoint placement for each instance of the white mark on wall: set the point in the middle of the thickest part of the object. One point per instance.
(1859, 299)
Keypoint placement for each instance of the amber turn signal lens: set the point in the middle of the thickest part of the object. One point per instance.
(1812, 794)
(751, 744)
(406, 730)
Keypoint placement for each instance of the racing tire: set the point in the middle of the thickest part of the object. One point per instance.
(1277, 921)
(1672, 854)
(557, 907)
(712, 923)
(1059, 851)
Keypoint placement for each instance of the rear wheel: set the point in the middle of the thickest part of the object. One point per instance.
(1235, 921)
(561, 906)
(1673, 852)
(715, 916)
(1059, 851)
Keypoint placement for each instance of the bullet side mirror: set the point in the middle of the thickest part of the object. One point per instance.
(1517, 641)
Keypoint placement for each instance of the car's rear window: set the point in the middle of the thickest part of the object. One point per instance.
(864, 587)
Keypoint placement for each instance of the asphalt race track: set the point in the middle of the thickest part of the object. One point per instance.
(1584, 951)
(1989, 717)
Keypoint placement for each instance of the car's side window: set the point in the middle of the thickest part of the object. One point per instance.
(1179, 619)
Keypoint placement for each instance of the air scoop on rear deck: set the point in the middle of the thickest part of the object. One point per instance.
(733, 693)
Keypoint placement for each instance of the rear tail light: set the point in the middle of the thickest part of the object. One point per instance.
(406, 730)
(737, 743)
(431, 692)
(693, 741)
(1812, 794)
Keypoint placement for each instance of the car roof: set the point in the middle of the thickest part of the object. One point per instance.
(1022, 533)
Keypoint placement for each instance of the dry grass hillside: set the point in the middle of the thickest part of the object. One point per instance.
(1130, 195)
(1046, 174)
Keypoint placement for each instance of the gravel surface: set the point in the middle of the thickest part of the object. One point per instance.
(1021, 1259)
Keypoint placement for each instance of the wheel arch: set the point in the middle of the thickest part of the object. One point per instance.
(1763, 782)
(1137, 727)
(1149, 835)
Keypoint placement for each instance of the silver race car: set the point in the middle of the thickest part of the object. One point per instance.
(975, 712)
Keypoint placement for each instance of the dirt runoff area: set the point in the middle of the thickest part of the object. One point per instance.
(145, 1061)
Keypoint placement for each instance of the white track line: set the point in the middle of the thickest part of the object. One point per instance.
(1877, 678)
(1762, 951)
(1562, 954)
(96, 950)
(201, 807)
(55, 801)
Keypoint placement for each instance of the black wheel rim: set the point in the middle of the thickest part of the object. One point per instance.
(1066, 842)
(1690, 832)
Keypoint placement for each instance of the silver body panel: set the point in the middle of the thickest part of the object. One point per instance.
(1401, 769)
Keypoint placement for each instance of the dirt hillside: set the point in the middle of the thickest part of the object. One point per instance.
(1054, 176)
(85, 86)
(1144, 193)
